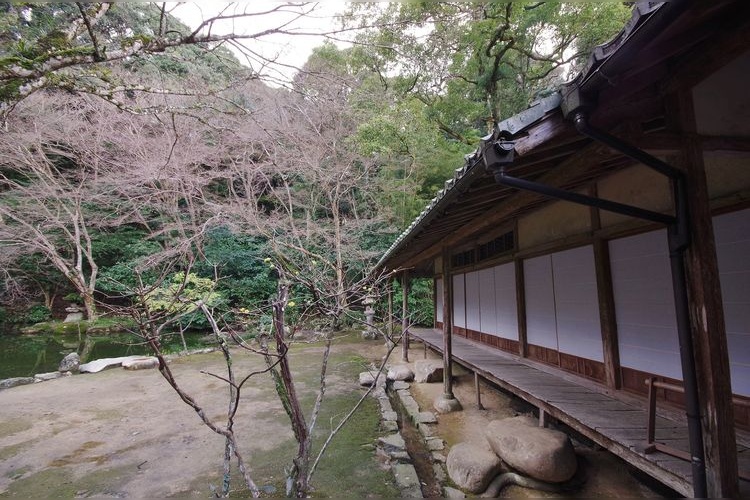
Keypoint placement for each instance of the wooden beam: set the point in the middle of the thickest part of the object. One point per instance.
(707, 316)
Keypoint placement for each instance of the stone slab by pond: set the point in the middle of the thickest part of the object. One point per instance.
(141, 363)
(43, 377)
(104, 363)
(16, 381)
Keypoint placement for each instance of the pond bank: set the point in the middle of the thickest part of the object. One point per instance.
(24, 355)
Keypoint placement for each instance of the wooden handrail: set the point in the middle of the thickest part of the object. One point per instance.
(678, 388)
(652, 445)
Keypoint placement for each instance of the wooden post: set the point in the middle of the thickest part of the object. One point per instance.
(447, 328)
(707, 318)
(521, 310)
(447, 402)
(651, 425)
(607, 318)
(478, 391)
(405, 316)
(542, 418)
(389, 326)
(389, 322)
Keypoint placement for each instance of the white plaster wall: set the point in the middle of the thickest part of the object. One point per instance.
(722, 102)
(554, 221)
(644, 304)
(637, 185)
(726, 174)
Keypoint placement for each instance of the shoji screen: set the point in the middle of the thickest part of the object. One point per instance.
(505, 301)
(472, 301)
(644, 304)
(577, 303)
(459, 301)
(732, 233)
(487, 302)
(439, 300)
(541, 328)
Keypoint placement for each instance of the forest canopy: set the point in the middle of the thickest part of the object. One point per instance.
(136, 151)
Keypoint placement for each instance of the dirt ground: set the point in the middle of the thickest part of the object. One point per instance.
(120, 433)
(604, 474)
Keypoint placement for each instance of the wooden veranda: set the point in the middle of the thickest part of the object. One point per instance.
(613, 420)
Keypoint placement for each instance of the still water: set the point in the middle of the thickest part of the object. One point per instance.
(26, 355)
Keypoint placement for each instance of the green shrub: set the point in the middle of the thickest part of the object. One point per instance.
(37, 314)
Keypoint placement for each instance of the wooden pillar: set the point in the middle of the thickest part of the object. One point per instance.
(405, 316)
(523, 349)
(389, 325)
(607, 320)
(707, 318)
(447, 402)
(447, 328)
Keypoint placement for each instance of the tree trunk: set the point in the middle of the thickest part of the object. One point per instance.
(90, 305)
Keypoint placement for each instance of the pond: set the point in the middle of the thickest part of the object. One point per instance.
(26, 355)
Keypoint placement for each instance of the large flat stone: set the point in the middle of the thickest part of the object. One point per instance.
(428, 370)
(390, 415)
(406, 476)
(368, 379)
(391, 443)
(543, 454)
(435, 444)
(385, 404)
(390, 425)
(400, 373)
(425, 417)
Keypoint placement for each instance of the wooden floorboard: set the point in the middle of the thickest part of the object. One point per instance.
(617, 425)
